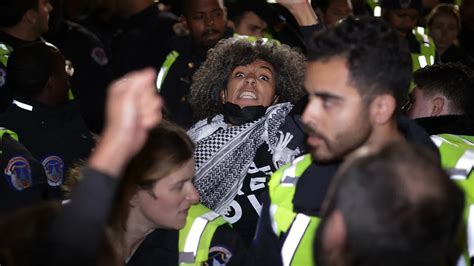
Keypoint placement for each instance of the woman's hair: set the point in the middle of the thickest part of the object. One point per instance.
(212, 77)
(444, 9)
(167, 148)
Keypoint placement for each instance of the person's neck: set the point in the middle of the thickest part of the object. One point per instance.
(21, 33)
(137, 228)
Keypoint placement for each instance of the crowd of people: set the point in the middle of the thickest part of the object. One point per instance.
(212, 132)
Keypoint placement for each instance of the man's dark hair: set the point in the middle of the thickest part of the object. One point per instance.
(212, 77)
(377, 59)
(453, 80)
(30, 66)
(13, 10)
(399, 207)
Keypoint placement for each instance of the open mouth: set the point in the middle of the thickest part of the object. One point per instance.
(248, 95)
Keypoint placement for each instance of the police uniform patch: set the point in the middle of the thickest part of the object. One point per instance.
(54, 168)
(99, 56)
(219, 255)
(3, 77)
(18, 173)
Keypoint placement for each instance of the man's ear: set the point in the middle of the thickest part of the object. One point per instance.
(30, 16)
(382, 108)
(439, 104)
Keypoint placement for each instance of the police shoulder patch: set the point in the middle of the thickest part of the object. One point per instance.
(54, 169)
(99, 56)
(219, 255)
(18, 173)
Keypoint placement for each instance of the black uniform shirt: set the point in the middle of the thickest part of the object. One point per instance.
(142, 41)
(6, 94)
(57, 137)
(92, 69)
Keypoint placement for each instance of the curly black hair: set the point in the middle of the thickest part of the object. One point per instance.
(211, 78)
(378, 60)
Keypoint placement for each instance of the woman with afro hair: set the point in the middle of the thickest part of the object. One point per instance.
(244, 96)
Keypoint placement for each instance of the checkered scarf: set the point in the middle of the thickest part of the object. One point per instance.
(224, 153)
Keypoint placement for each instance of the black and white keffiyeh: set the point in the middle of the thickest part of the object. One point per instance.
(224, 153)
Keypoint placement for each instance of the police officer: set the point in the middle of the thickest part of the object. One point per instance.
(47, 123)
(21, 22)
(92, 67)
(349, 108)
(441, 103)
(24, 181)
(206, 21)
(403, 15)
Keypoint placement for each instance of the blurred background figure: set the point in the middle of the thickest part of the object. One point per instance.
(404, 17)
(141, 37)
(91, 63)
(244, 20)
(466, 36)
(332, 11)
(444, 25)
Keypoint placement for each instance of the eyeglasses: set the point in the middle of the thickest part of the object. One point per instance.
(408, 104)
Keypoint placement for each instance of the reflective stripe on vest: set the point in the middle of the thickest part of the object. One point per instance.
(457, 158)
(300, 229)
(457, 154)
(5, 52)
(470, 231)
(12, 134)
(427, 50)
(169, 61)
(195, 238)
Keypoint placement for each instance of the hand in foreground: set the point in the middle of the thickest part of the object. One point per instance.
(133, 108)
(301, 10)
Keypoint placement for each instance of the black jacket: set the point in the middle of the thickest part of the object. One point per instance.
(141, 42)
(92, 69)
(447, 124)
(6, 93)
(57, 137)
